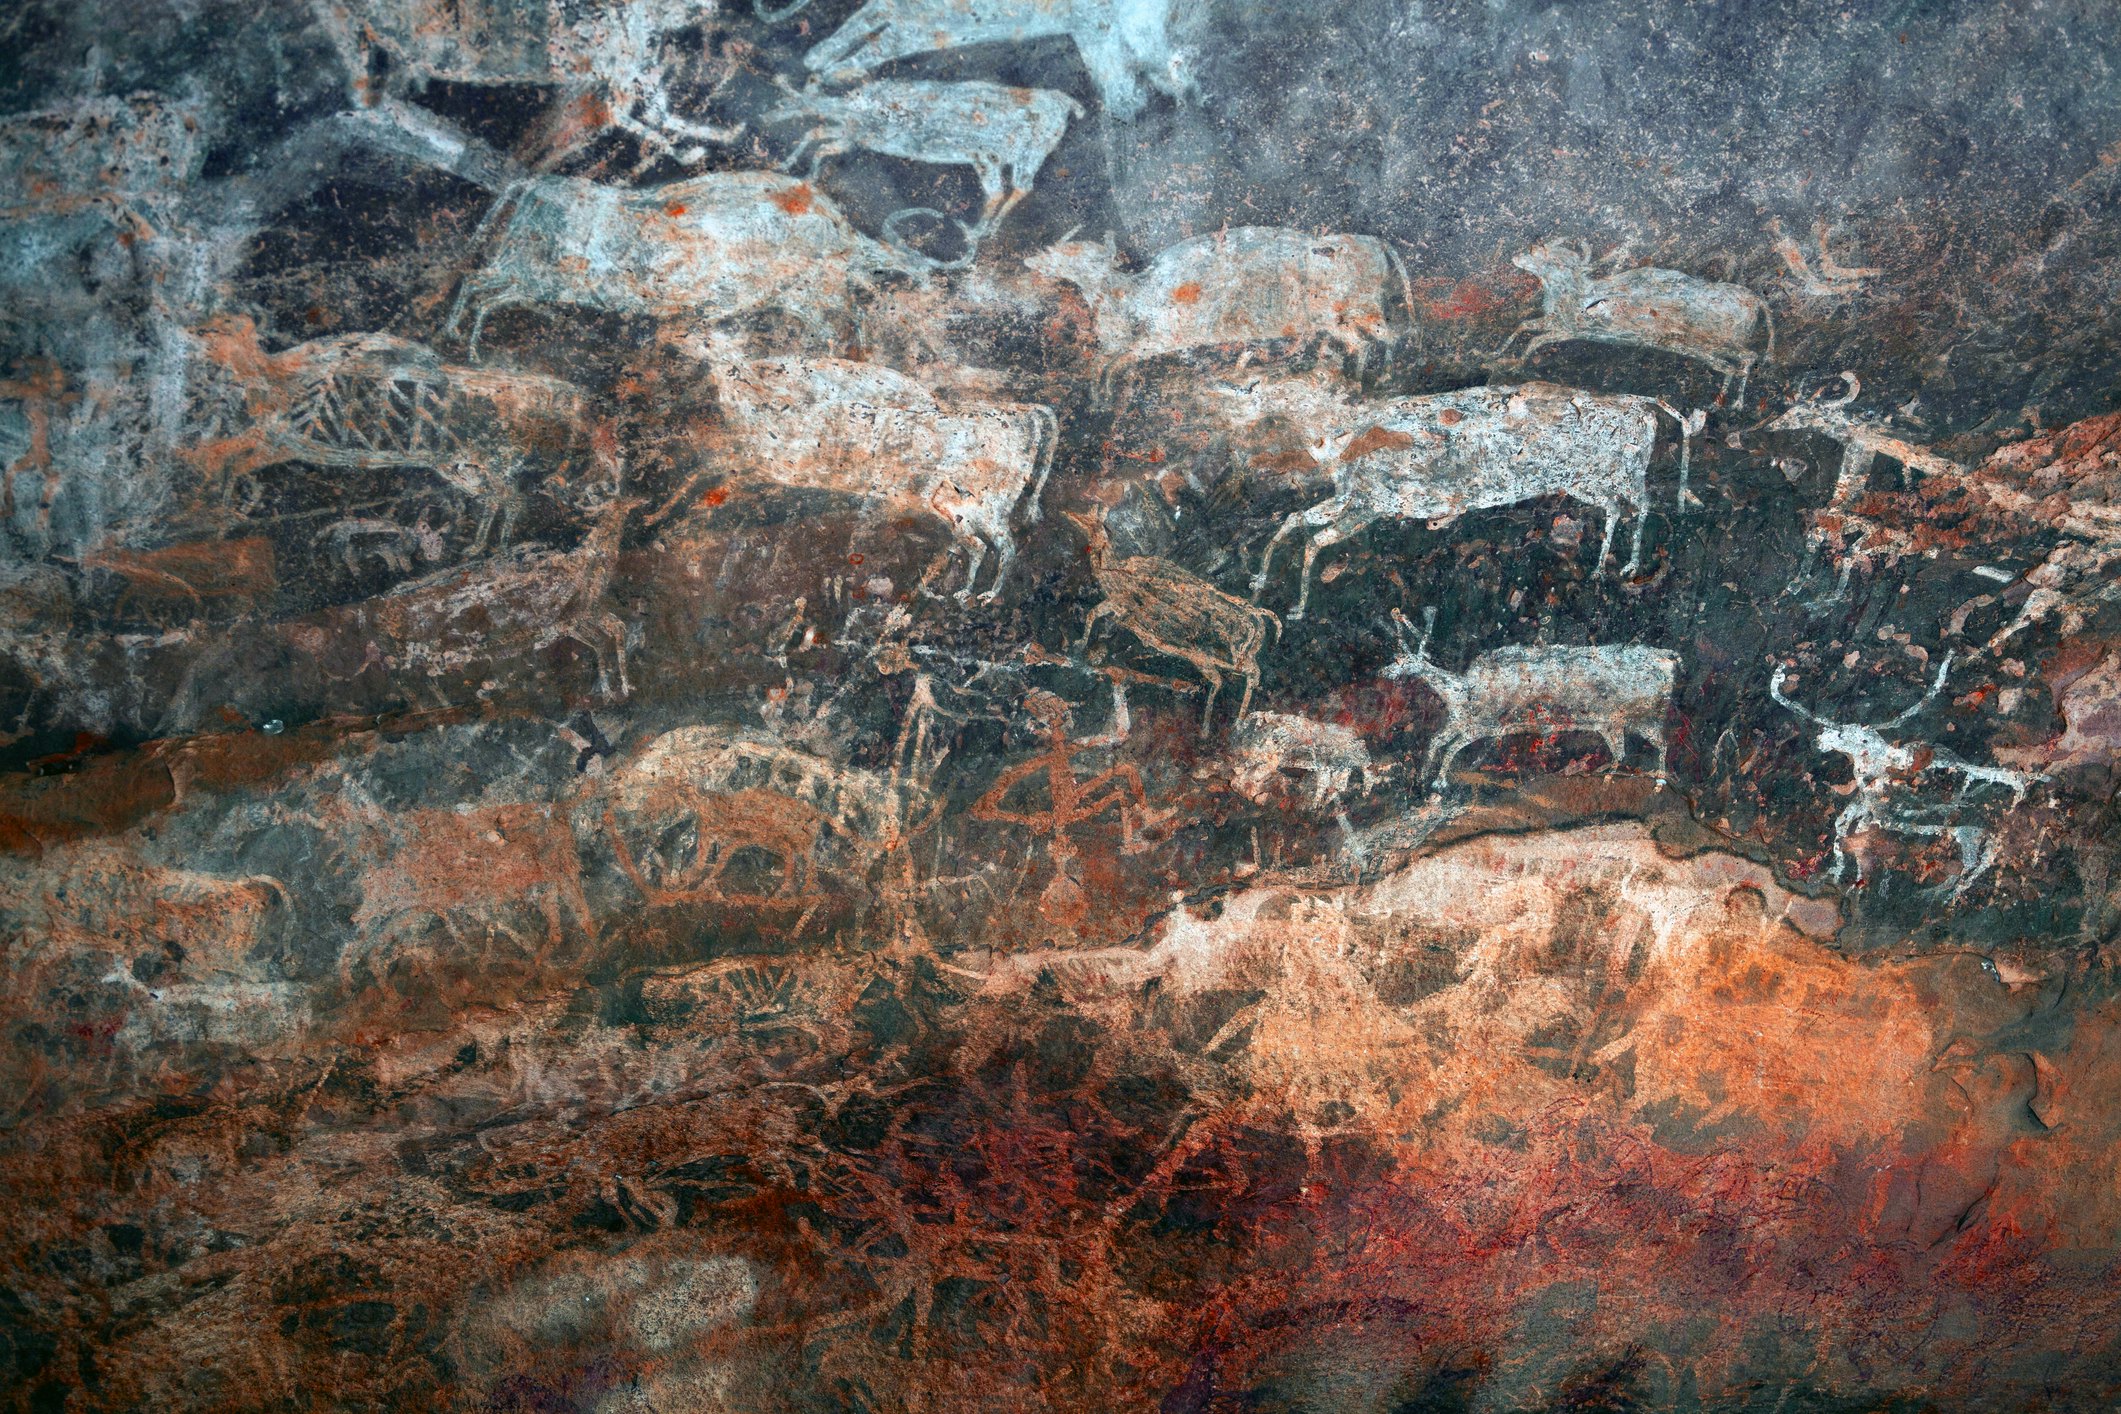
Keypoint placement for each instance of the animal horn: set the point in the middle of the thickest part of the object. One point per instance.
(1943, 670)
(1855, 386)
(1775, 691)
(1072, 232)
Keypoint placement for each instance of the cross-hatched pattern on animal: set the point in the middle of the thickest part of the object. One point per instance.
(372, 402)
(1176, 612)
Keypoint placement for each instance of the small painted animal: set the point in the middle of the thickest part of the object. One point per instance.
(1881, 767)
(1264, 745)
(505, 607)
(1611, 689)
(1249, 286)
(1003, 134)
(479, 863)
(1647, 308)
(1176, 612)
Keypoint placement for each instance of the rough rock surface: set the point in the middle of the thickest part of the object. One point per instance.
(649, 759)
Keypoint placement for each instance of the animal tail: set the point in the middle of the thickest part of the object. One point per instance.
(1049, 442)
(1406, 290)
(924, 263)
(1689, 428)
(772, 16)
(1274, 619)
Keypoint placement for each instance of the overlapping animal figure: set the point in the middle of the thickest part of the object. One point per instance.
(757, 285)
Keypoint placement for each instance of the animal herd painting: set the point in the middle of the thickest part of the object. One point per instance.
(1379, 707)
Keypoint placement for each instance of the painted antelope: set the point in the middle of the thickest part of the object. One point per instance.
(1437, 456)
(1645, 308)
(1863, 440)
(1003, 134)
(706, 250)
(1122, 42)
(1611, 689)
(1881, 766)
(1177, 613)
(865, 430)
(1251, 286)
(361, 402)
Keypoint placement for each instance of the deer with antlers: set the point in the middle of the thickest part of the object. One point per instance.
(1610, 689)
(1878, 765)
(1176, 612)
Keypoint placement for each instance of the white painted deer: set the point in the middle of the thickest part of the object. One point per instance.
(1611, 689)
(1645, 308)
(1879, 766)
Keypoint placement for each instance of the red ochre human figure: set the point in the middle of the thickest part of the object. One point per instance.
(1071, 800)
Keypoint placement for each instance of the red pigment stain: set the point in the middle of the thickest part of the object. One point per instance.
(1376, 439)
(676, 208)
(715, 497)
(795, 201)
(1188, 293)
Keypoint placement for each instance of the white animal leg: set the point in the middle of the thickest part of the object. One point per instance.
(1004, 552)
(1324, 513)
(1102, 609)
(1452, 746)
(1642, 515)
(1215, 685)
(1535, 326)
(1324, 538)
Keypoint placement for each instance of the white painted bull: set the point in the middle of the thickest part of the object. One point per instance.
(1610, 689)
(711, 248)
(1645, 308)
(856, 428)
(1440, 455)
(1003, 134)
(1123, 42)
(1249, 285)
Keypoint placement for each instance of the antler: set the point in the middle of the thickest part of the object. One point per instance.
(1404, 631)
(1775, 691)
(1936, 687)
